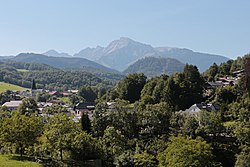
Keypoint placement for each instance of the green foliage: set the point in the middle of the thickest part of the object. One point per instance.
(28, 66)
(154, 121)
(114, 143)
(185, 152)
(54, 109)
(242, 125)
(153, 66)
(212, 72)
(145, 159)
(85, 122)
(175, 90)
(243, 159)
(87, 93)
(101, 119)
(224, 68)
(119, 117)
(181, 87)
(48, 78)
(152, 92)
(28, 106)
(246, 78)
(186, 124)
(74, 99)
(42, 97)
(59, 132)
(130, 87)
(21, 130)
(210, 123)
(5, 96)
(225, 95)
(85, 147)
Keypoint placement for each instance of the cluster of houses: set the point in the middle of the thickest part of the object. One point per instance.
(226, 80)
(76, 111)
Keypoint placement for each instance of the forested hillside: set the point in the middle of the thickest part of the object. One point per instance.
(152, 66)
(60, 62)
(46, 77)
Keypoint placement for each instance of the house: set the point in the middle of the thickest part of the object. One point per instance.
(65, 94)
(56, 101)
(42, 105)
(84, 107)
(238, 73)
(55, 93)
(202, 106)
(34, 92)
(12, 105)
(73, 91)
(25, 93)
(111, 105)
(215, 84)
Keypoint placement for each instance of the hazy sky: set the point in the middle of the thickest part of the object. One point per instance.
(212, 26)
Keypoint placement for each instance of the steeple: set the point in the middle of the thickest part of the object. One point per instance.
(33, 86)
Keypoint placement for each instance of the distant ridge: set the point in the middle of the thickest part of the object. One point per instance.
(61, 62)
(54, 53)
(153, 66)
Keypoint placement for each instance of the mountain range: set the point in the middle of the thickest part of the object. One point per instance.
(119, 54)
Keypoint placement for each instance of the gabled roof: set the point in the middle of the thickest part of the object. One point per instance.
(12, 103)
(85, 105)
(202, 106)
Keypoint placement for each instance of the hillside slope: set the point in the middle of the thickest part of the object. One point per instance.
(60, 62)
(152, 66)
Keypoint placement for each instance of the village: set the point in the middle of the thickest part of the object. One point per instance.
(57, 98)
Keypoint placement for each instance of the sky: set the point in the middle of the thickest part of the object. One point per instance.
(210, 26)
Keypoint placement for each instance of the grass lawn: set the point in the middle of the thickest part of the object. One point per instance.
(22, 70)
(6, 86)
(229, 123)
(16, 161)
(65, 100)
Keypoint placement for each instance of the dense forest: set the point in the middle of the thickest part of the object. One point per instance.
(154, 66)
(142, 122)
(51, 78)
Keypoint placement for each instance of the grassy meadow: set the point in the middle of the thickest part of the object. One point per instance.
(6, 86)
(15, 161)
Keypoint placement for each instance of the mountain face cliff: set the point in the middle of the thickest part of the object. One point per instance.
(121, 53)
(153, 66)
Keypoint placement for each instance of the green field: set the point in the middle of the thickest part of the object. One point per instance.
(13, 161)
(22, 70)
(6, 86)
